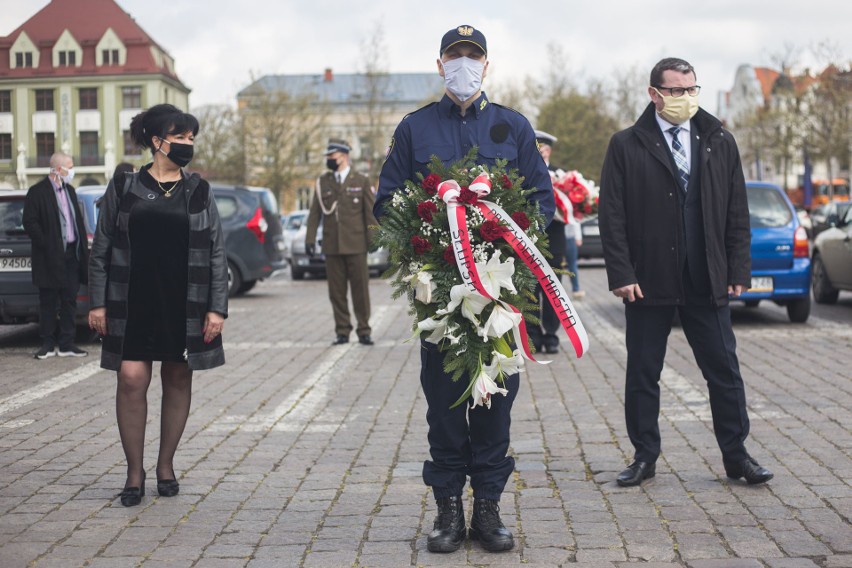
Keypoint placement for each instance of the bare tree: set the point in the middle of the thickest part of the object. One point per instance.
(629, 97)
(219, 146)
(281, 134)
(372, 121)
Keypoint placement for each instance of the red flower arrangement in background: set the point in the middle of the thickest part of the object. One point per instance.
(581, 192)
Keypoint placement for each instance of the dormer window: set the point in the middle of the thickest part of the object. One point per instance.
(110, 57)
(23, 59)
(67, 58)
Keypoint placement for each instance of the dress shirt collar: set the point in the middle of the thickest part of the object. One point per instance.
(665, 125)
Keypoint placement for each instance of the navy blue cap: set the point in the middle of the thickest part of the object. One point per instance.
(337, 145)
(461, 34)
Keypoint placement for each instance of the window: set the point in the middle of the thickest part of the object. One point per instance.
(67, 58)
(23, 59)
(130, 147)
(88, 99)
(110, 56)
(45, 147)
(5, 147)
(131, 97)
(44, 99)
(767, 208)
(5, 101)
(227, 206)
(89, 149)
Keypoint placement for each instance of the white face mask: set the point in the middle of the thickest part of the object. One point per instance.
(463, 76)
(69, 177)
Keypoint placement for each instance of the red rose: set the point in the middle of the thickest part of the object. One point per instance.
(507, 183)
(425, 209)
(490, 231)
(577, 195)
(450, 255)
(430, 183)
(467, 196)
(521, 220)
(420, 245)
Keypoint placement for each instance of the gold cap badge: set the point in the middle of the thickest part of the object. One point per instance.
(465, 31)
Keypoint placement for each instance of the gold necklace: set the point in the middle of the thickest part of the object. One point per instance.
(167, 192)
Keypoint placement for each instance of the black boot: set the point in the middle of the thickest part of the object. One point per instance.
(448, 533)
(486, 526)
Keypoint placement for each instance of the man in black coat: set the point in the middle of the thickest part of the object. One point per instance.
(675, 230)
(53, 220)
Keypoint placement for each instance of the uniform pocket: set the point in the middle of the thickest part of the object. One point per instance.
(492, 152)
(424, 154)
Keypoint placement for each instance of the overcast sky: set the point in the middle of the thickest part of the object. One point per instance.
(219, 44)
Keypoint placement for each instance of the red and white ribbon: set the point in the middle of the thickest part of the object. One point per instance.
(449, 192)
(524, 248)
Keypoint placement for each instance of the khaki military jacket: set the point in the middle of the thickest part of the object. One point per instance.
(346, 211)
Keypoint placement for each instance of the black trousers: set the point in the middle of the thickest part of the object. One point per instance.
(63, 301)
(462, 441)
(711, 337)
(545, 334)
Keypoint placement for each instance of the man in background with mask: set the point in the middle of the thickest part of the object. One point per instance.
(60, 253)
(464, 442)
(343, 200)
(674, 224)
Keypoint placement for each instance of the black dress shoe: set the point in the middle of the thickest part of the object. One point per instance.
(749, 469)
(636, 473)
(340, 339)
(551, 348)
(132, 496)
(487, 528)
(365, 340)
(168, 487)
(448, 531)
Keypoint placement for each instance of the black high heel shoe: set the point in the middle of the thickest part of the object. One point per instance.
(132, 496)
(168, 487)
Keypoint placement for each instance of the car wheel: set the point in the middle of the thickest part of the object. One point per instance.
(235, 281)
(752, 303)
(247, 285)
(799, 310)
(824, 292)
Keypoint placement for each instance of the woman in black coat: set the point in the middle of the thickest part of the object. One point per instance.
(158, 283)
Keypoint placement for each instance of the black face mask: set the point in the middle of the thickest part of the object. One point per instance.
(180, 154)
(331, 164)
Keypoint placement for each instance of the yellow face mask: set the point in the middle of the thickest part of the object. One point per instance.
(678, 110)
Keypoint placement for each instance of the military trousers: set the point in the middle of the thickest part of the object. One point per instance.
(349, 272)
(464, 441)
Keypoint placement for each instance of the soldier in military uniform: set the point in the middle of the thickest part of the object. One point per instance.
(344, 202)
(464, 442)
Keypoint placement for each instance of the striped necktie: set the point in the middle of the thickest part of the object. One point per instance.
(679, 156)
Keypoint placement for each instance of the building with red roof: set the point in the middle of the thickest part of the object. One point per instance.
(71, 79)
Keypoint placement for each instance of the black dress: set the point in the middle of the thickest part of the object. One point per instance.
(159, 266)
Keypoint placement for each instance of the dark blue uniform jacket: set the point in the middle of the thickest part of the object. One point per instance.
(439, 129)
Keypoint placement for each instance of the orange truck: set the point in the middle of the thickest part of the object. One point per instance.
(823, 192)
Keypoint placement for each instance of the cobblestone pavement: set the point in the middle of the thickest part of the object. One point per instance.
(299, 453)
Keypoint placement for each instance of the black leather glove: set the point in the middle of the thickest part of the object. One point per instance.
(310, 249)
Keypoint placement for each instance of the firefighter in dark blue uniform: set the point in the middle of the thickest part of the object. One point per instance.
(464, 442)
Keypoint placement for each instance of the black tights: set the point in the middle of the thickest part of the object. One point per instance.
(131, 408)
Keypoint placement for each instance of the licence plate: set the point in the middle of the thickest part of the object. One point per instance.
(761, 284)
(16, 264)
(592, 231)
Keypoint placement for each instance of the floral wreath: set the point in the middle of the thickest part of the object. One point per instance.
(453, 255)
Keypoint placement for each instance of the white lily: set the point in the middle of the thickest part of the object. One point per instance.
(423, 285)
(499, 322)
(501, 365)
(440, 329)
(483, 388)
(472, 302)
(496, 275)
